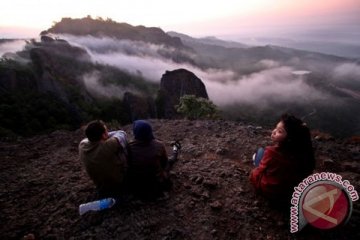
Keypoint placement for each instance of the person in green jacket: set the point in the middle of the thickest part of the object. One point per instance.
(104, 156)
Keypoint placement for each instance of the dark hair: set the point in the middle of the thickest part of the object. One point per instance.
(94, 130)
(298, 142)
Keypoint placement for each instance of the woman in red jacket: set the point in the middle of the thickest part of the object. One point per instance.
(287, 162)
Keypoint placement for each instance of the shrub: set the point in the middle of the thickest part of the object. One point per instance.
(197, 108)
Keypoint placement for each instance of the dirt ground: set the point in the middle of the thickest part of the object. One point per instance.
(43, 183)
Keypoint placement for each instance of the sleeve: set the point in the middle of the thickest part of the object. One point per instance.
(120, 136)
(257, 173)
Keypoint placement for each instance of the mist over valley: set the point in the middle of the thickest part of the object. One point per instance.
(248, 83)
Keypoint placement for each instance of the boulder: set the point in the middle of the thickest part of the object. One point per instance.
(174, 85)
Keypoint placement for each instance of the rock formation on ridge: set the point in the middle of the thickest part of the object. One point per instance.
(174, 85)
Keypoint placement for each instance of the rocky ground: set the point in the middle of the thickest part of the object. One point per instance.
(43, 182)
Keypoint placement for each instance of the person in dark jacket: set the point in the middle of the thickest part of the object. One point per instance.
(286, 163)
(148, 162)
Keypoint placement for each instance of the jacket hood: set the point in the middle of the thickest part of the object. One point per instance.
(142, 130)
(87, 145)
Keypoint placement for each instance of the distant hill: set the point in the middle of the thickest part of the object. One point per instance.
(309, 41)
(109, 28)
(215, 53)
(207, 40)
(206, 52)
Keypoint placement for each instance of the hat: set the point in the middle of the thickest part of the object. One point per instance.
(142, 130)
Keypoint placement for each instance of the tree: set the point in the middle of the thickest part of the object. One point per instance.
(197, 108)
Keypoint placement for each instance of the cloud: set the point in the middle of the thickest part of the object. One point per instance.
(149, 67)
(139, 57)
(268, 63)
(106, 45)
(11, 46)
(275, 83)
(346, 71)
(91, 81)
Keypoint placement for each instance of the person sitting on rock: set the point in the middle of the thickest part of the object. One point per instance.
(104, 155)
(286, 163)
(149, 165)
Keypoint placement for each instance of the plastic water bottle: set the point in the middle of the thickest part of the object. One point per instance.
(96, 205)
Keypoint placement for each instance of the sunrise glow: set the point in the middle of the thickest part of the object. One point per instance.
(26, 17)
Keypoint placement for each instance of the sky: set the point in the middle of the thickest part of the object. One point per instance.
(27, 18)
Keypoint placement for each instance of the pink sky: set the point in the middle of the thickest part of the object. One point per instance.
(26, 18)
(288, 15)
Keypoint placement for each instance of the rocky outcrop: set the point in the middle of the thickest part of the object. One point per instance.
(53, 62)
(174, 85)
(43, 66)
(48, 80)
(138, 107)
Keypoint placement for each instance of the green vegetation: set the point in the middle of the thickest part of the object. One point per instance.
(10, 64)
(28, 113)
(197, 108)
(108, 110)
(113, 76)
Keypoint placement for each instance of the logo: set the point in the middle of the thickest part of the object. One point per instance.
(326, 206)
(322, 200)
